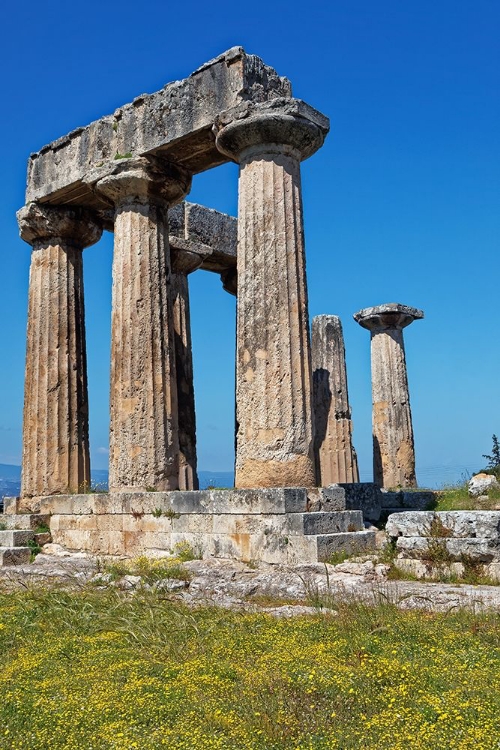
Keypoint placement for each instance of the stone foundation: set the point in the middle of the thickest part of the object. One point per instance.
(269, 525)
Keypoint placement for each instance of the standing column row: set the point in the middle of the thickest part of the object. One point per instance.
(55, 422)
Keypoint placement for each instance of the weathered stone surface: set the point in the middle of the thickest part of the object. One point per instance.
(188, 477)
(144, 442)
(393, 447)
(479, 484)
(55, 422)
(23, 521)
(348, 542)
(15, 538)
(273, 372)
(422, 500)
(11, 505)
(335, 456)
(175, 122)
(363, 496)
(211, 234)
(481, 524)
(424, 548)
(14, 556)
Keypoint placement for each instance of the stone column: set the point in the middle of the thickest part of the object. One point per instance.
(273, 370)
(144, 441)
(336, 459)
(183, 263)
(55, 424)
(393, 447)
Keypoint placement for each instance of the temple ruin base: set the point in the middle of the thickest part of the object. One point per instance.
(286, 525)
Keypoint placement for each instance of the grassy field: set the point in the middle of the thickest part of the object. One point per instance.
(102, 670)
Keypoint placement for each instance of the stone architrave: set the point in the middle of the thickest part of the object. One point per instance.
(336, 459)
(393, 447)
(274, 441)
(144, 441)
(55, 423)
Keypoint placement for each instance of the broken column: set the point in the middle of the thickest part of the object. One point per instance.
(335, 456)
(273, 370)
(144, 441)
(55, 422)
(393, 447)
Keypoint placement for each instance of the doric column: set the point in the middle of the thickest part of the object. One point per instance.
(55, 424)
(393, 447)
(273, 370)
(183, 263)
(336, 459)
(144, 442)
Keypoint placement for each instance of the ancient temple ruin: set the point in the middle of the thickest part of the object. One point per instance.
(129, 173)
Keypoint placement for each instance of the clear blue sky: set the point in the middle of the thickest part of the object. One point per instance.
(401, 204)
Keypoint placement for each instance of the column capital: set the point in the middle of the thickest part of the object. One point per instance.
(392, 315)
(288, 126)
(145, 180)
(186, 255)
(76, 226)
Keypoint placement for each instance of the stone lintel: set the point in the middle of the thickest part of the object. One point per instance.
(210, 234)
(390, 315)
(175, 122)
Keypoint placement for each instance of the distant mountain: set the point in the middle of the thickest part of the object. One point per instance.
(10, 479)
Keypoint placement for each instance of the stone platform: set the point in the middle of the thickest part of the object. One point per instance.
(286, 525)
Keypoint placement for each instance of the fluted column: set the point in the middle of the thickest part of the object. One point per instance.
(273, 370)
(183, 263)
(55, 423)
(336, 459)
(393, 446)
(144, 442)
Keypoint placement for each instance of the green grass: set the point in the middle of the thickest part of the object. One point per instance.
(105, 670)
(457, 497)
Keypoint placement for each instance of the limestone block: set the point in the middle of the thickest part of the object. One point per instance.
(421, 500)
(482, 550)
(15, 538)
(460, 523)
(348, 542)
(195, 523)
(277, 500)
(332, 523)
(252, 524)
(483, 524)
(364, 496)
(479, 484)
(14, 556)
(332, 498)
(139, 523)
(409, 523)
(24, 520)
(10, 505)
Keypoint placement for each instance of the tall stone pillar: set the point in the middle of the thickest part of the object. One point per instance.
(183, 263)
(144, 442)
(393, 447)
(273, 369)
(336, 459)
(55, 424)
